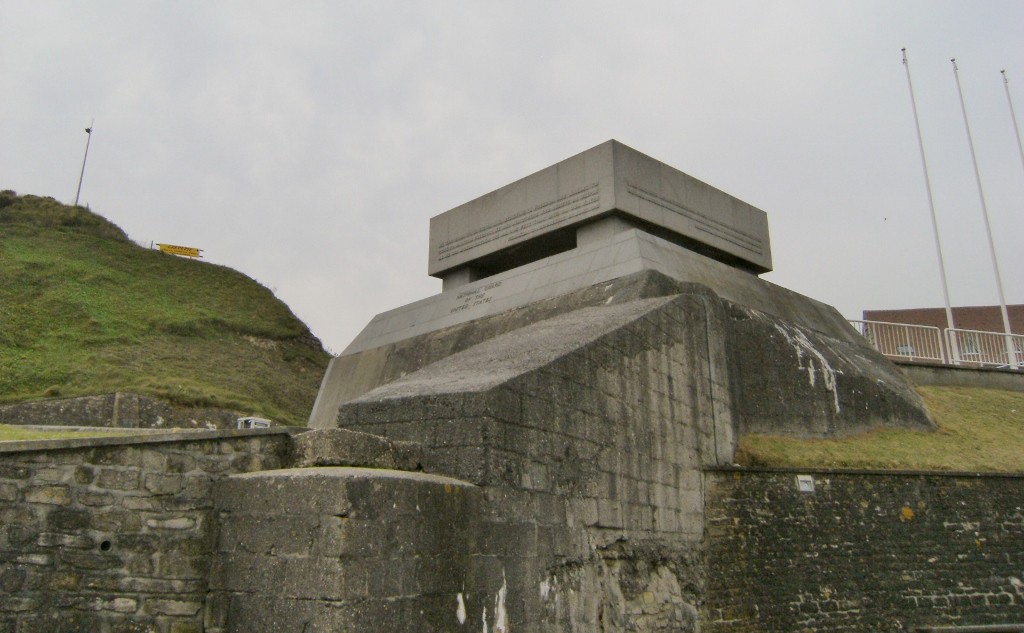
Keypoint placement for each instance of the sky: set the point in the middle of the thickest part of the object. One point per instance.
(308, 143)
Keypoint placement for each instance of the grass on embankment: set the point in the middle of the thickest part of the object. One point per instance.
(979, 430)
(10, 433)
(84, 311)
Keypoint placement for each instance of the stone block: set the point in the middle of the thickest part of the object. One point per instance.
(68, 519)
(179, 626)
(163, 483)
(141, 503)
(8, 491)
(172, 523)
(86, 560)
(343, 447)
(58, 495)
(118, 479)
(13, 471)
(51, 539)
(159, 606)
(51, 475)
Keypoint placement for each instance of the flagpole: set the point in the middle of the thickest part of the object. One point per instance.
(1010, 354)
(1013, 117)
(953, 352)
(88, 132)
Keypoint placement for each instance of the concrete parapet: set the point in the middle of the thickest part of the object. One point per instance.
(949, 376)
(346, 549)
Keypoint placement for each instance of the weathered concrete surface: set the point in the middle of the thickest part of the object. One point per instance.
(773, 355)
(948, 376)
(393, 353)
(618, 269)
(342, 447)
(789, 380)
(618, 255)
(536, 216)
(586, 433)
(601, 338)
(346, 549)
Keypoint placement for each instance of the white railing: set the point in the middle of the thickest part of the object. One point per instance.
(902, 341)
(986, 349)
(971, 348)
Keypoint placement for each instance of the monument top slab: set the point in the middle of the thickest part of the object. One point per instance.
(539, 215)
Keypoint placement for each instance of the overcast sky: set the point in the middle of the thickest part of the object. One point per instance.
(307, 144)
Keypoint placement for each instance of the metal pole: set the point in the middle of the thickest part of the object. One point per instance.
(1011, 357)
(1013, 116)
(954, 355)
(88, 132)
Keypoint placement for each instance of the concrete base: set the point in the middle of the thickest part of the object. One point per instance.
(623, 253)
(599, 272)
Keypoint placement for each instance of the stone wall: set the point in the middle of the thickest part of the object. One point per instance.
(120, 409)
(116, 534)
(863, 551)
(207, 532)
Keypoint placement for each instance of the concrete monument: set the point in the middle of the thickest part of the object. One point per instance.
(601, 338)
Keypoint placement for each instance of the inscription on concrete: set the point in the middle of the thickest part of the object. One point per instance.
(703, 222)
(525, 223)
(527, 216)
(476, 297)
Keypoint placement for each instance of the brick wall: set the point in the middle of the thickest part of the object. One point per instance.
(115, 534)
(984, 318)
(863, 552)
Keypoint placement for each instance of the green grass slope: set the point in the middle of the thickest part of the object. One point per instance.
(980, 430)
(83, 310)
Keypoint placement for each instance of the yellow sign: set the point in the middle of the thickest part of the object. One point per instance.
(184, 251)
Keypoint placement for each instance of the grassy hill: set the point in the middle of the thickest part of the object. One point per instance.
(980, 430)
(83, 310)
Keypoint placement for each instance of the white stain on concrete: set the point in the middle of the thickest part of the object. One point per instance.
(804, 347)
(545, 589)
(460, 609)
(500, 615)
